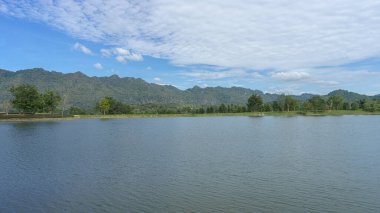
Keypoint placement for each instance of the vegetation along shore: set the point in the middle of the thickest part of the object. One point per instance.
(27, 103)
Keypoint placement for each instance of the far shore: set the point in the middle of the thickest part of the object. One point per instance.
(253, 114)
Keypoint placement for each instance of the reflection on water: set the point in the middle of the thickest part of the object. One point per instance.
(32, 124)
(227, 164)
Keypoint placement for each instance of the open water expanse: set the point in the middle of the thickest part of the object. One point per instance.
(195, 164)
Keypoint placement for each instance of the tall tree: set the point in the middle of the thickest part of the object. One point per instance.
(64, 91)
(354, 106)
(276, 106)
(222, 108)
(267, 107)
(361, 103)
(307, 106)
(117, 107)
(317, 103)
(372, 106)
(289, 103)
(346, 106)
(104, 104)
(63, 104)
(210, 109)
(335, 102)
(26, 98)
(255, 103)
(6, 106)
(50, 101)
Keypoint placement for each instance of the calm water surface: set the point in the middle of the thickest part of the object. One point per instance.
(226, 164)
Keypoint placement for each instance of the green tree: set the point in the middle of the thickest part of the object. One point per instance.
(289, 103)
(346, 106)
(276, 106)
(104, 104)
(317, 103)
(112, 106)
(201, 110)
(50, 101)
(76, 111)
(361, 103)
(335, 102)
(355, 106)
(307, 106)
(26, 98)
(267, 107)
(6, 106)
(222, 108)
(116, 107)
(209, 109)
(255, 103)
(371, 106)
(63, 103)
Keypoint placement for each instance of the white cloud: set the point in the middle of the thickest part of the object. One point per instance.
(290, 75)
(285, 39)
(80, 47)
(207, 75)
(134, 57)
(120, 58)
(120, 51)
(323, 80)
(157, 79)
(121, 54)
(327, 83)
(105, 52)
(98, 66)
(285, 91)
(3, 7)
(203, 85)
(280, 35)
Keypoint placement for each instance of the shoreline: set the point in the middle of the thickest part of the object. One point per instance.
(251, 114)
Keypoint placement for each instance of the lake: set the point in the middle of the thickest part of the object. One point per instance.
(199, 164)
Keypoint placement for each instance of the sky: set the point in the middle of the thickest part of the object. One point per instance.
(277, 46)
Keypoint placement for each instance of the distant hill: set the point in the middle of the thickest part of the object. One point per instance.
(85, 91)
(348, 96)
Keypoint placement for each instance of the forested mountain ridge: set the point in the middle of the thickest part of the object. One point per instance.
(84, 91)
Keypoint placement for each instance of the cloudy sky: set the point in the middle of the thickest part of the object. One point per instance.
(278, 46)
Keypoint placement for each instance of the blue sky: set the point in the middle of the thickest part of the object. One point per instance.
(275, 46)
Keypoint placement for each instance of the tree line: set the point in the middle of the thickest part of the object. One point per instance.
(286, 103)
(27, 99)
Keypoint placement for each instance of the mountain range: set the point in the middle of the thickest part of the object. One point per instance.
(83, 91)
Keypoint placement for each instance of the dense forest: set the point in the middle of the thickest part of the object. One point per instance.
(27, 99)
(41, 91)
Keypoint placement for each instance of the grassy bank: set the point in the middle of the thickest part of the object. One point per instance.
(36, 119)
(341, 112)
(256, 114)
